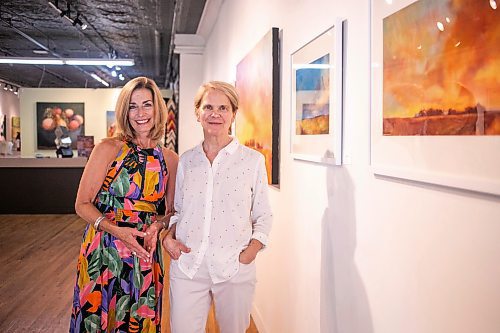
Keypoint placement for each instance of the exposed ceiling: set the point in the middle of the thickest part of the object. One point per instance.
(134, 29)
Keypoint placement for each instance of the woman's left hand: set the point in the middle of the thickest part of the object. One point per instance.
(152, 237)
(248, 255)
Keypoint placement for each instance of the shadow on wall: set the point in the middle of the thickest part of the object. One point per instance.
(344, 303)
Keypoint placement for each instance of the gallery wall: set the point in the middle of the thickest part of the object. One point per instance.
(97, 102)
(351, 252)
(191, 67)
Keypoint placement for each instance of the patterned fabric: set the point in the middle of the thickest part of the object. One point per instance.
(116, 291)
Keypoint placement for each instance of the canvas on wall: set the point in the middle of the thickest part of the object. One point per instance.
(436, 92)
(110, 124)
(58, 120)
(3, 127)
(84, 145)
(258, 86)
(317, 98)
(15, 127)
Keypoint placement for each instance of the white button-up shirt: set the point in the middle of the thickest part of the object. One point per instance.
(220, 207)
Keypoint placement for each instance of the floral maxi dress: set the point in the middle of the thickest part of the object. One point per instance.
(114, 290)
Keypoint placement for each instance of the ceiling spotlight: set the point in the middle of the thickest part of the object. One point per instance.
(113, 73)
(78, 21)
(9, 87)
(66, 12)
(121, 77)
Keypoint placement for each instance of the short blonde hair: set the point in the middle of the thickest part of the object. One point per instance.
(224, 87)
(124, 130)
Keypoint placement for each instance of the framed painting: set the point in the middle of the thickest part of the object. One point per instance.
(3, 127)
(15, 127)
(317, 85)
(435, 115)
(110, 124)
(59, 120)
(85, 144)
(258, 86)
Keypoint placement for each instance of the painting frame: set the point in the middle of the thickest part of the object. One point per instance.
(257, 123)
(468, 163)
(85, 145)
(61, 119)
(317, 75)
(110, 123)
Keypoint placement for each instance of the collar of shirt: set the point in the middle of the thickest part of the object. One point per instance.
(229, 149)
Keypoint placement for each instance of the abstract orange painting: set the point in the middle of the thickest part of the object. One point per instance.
(441, 69)
(257, 120)
(435, 92)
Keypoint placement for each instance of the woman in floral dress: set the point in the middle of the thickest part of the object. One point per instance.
(120, 275)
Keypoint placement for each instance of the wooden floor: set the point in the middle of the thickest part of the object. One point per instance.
(38, 264)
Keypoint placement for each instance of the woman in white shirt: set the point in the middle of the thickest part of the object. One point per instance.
(222, 221)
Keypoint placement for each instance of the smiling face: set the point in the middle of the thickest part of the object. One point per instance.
(215, 113)
(141, 111)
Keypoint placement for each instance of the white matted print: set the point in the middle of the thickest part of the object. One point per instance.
(435, 115)
(317, 77)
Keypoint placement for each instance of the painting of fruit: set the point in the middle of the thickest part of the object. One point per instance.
(59, 120)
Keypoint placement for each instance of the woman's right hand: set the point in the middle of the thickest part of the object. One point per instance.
(174, 247)
(129, 238)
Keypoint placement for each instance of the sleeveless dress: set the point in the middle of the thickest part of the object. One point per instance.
(114, 290)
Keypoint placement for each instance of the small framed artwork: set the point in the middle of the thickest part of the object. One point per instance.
(3, 127)
(15, 127)
(85, 144)
(110, 124)
(317, 98)
(435, 115)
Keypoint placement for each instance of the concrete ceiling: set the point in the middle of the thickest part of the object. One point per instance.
(134, 29)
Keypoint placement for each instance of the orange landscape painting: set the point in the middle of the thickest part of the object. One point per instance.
(254, 120)
(441, 69)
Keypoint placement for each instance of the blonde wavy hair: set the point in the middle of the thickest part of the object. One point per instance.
(124, 130)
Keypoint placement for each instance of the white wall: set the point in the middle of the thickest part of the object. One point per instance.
(97, 102)
(350, 252)
(190, 78)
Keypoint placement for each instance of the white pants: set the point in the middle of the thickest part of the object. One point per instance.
(190, 300)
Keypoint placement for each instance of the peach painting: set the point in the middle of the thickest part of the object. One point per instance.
(441, 69)
(257, 120)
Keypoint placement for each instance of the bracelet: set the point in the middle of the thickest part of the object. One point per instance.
(98, 222)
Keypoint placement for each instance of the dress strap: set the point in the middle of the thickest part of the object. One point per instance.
(116, 166)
